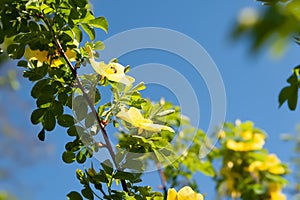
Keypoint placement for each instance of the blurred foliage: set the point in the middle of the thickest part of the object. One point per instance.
(247, 171)
(275, 25)
(6, 196)
(295, 187)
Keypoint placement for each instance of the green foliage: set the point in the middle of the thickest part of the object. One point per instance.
(275, 26)
(290, 93)
(295, 139)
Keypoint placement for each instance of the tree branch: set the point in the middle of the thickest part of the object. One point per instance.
(162, 179)
(91, 105)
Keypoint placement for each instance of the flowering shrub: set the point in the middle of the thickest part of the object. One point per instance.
(248, 171)
(48, 42)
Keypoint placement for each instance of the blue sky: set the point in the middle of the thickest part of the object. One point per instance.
(252, 85)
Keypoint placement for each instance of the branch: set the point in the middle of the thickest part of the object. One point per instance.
(91, 105)
(162, 179)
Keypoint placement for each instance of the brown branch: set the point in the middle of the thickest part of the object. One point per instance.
(91, 105)
(162, 179)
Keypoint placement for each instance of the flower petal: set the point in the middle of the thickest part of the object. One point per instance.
(40, 56)
(135, 115)
(186, 193)
(124, 115)
(155, 127)
(172, 194)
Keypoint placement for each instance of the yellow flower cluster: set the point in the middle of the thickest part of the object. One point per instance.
(43, 57)
(185, 193)
(134, 117)
(248, 164)
(251, 141)
(271, 164)
(275, 192)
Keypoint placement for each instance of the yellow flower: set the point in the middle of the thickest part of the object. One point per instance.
(134, 117)
(43, 56)
(58, 61)
(271, 164)
(246, 135)
(185, 193)
(253, 141)
(275, 192)
(112, 71)
(40, 56)
(222, 134)
(243, 146)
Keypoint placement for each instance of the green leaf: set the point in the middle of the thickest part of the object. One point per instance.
(15, 51)
(78, 3)
(57, 108)
(33, 26)
(49, 121)
(90, 120)
(68, 157)
(107, 166)
(124, 175)
(294, 8)
(293, 99)
(74, 196)
(45, 100)
(75, 131)
(80, 107)
(289, 94)
(35, 74)
(99, 22)
(46, 9)
(37, 115)
(88, 193)
(97, 96)
(101, 177)
(133, 164)
(140, 86)
(23, 63)
(80, 158)
(165, 113)
(41, 135)
(62, 98)
(78, 33)
(89, 30)
(99, 45)
(37, 89)
(65, 120)
(284, 95)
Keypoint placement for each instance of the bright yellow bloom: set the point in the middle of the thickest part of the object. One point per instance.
(43, 56)
(253, 141)
(112, 71)
(271, 164)
(134, 117)
(275, 192)
(185, 193)
(246, 135)
(69, 53)
(222, 134)
(40, 56)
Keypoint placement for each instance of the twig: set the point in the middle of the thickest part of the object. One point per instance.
(162, 179)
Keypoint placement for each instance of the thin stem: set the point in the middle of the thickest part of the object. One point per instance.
(96, 195)
(91, 105)
(162, 179)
